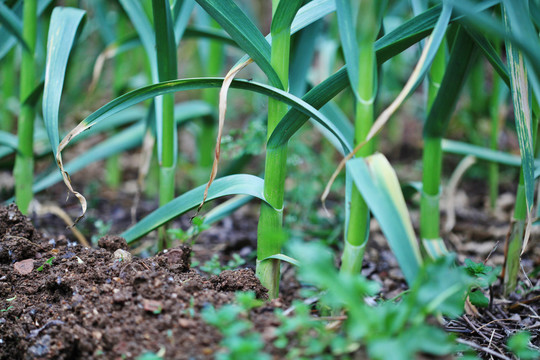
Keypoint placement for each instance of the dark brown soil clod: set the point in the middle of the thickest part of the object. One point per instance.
(112, 243)
(80, 303)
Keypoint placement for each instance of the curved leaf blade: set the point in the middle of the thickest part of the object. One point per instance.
(461, 148)
(122, 141)
(229, 185)
(167, 87)
(377, 182)
(285, 258)
(9, 140)
(244, 32)
(65, 23)
(490, 54)
(307, 15)
(386, 47)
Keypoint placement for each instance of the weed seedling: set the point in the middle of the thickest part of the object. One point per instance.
(184, 237)
(239, 339)
(484, 276)
(9, 307)
(48, 262)
(214, 267)
(519, 345)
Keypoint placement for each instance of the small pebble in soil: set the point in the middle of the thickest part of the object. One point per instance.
(24, 267)
(41, 347)
(123, 255)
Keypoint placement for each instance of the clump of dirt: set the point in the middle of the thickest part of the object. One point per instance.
(19, 238)
(113, 243)
(64, 301)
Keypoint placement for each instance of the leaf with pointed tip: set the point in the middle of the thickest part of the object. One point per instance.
(229, 185)
(376, 180)
(63, 29)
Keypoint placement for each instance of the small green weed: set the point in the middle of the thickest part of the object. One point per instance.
(214, 267)
(48, 262)
(385, 329)
(184, 237)
(239, 339)
(248, 141)
(519, 345)
(484, 276)
(152, 356)
(9, 307)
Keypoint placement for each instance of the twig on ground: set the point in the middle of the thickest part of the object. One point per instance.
(483, 348)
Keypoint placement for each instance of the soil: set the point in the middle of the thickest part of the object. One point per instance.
(61, 300)
(66, 301)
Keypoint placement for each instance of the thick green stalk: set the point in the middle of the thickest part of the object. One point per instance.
(167, 70)
(431, 179)
(432, 162)
(24, 161)
(270, 227)
(358, 227)
(8, 91)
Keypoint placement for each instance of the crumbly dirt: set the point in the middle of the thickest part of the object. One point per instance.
(66, 301)
(83, 303)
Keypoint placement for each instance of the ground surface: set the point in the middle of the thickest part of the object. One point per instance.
(61, 300)
(91, 304)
